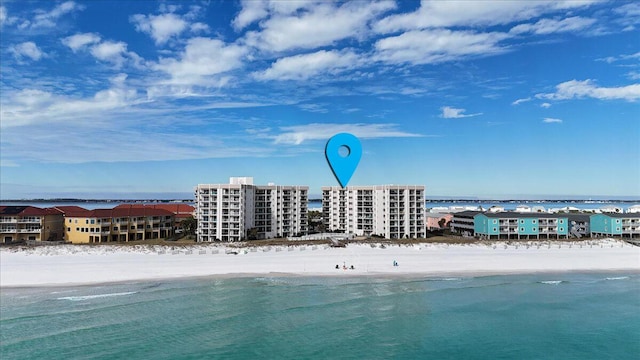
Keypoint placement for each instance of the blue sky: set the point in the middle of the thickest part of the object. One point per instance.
(485, 98)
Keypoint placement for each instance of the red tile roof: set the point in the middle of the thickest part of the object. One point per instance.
(116, 212)
(176, 208)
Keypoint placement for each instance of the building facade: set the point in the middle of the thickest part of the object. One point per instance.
(241, 210)
(120, 224)
(30, 223)
(513, 225)
(390, 211)
(623, 225)
(463, 222)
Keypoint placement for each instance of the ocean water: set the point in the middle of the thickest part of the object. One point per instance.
(540, 316)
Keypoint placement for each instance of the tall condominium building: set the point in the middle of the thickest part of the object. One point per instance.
(392, 211)
(242, 211)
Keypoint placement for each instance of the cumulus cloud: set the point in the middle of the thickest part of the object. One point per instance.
(160, 27)
(552, 121)
(545, 105)
(79, 41)
(48, 19)
(322, 24)
(297, 134)
(110, 51)
(549, 26)
(27, 50)
(201, 59)
(575, 89)
(454, 113)
(302, 67)
(252, 10)
(434, 46)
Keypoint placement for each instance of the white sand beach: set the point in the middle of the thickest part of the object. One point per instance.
(75, 265)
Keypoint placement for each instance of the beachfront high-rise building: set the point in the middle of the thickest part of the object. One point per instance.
(391, 211)
(241, 210)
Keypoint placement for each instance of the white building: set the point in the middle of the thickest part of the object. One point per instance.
(391, 211)
(240, 210)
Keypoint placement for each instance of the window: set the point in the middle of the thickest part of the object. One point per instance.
(534, 221)
(561, 221)
(618, 228)
(494, 229)
(77, 229)
(495, 221)
(68, 229)
(561, 229)
(617, 221)
(86, 221)
(521, 221)
(521, 229)
(93, 221)
(535, 229)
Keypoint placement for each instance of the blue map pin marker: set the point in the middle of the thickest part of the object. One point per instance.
(343, 167)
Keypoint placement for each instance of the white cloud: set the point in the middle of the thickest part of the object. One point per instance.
(453, 113)
(316, 108)
(575, 89)
(552, 121)
(5, 19)
(633, 75)
(110, 51)
(252, 10)
(320, 25)
(48, 19)
(439, 45)
(31, 106)
(520, 101)
(199, 28)
(78, 41)
(433, 14)
(545, 105)
(629, 9)
(629, 15)
(549, 26)
(27, 50)
(160, 27)
(302, 67)
(201, 59)
(612, 59)
(297, 134)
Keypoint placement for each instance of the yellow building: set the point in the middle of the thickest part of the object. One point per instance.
(30, 223)
(116, 225)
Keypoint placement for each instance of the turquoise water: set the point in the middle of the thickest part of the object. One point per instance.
(550, 316)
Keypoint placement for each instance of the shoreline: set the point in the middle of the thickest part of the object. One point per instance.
(379, 276)
(69, 265)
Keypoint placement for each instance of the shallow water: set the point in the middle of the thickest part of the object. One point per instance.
(563, 316)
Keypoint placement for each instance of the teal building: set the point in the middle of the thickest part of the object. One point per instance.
(513, 225)
(620, 225)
